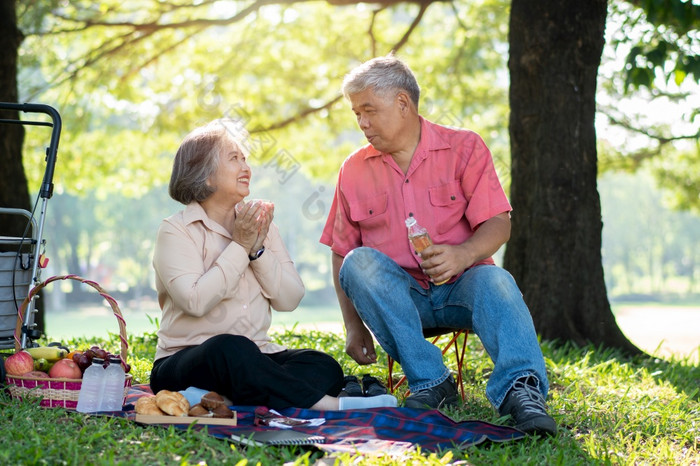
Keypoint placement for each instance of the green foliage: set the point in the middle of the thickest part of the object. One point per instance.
(664, 36)
(648, 103)
(680, 175)
(610, 410)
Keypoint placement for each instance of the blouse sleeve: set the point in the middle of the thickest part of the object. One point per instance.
(179, 263)
(275, 272)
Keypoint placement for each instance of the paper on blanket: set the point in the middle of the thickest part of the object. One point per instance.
(272, 418)
(378, 447)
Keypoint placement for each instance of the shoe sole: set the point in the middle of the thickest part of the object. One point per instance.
(542, 426)
(444, 403)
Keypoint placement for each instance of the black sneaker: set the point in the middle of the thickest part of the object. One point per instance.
(527, 407)
(371, 386)
(351, 387)
(436, 397)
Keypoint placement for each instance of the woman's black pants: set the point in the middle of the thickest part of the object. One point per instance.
(234, 366)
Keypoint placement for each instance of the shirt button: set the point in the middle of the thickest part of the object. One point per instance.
(370, 211)
(406, 181)
(453, 198)
(245, 306)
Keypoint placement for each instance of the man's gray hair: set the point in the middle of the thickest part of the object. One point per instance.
(383, 75)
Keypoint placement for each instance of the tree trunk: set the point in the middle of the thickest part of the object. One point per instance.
(13, 182)
(555, 249)
(14, 191)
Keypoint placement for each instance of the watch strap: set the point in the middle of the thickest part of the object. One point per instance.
(257, 254)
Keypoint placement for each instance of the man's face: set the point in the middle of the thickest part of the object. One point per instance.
(380, 119)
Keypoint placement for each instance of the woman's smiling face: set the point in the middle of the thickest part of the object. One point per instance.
(232, 177)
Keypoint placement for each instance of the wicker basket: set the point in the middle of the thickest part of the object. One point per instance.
(61, 392)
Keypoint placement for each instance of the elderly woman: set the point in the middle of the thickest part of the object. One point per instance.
(220, 267)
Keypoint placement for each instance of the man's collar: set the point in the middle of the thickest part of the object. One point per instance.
(430, 140)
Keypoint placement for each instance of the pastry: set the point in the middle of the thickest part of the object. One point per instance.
(147, 405)
(222, 412)
(199, 411)
(212, 400)
(173, 403)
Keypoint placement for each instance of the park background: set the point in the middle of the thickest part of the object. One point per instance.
(125, 115)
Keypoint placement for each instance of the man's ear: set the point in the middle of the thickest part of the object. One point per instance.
(404, 102)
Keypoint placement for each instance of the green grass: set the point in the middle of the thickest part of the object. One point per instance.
(610, 409)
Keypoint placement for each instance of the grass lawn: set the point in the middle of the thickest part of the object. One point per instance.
(610, 409)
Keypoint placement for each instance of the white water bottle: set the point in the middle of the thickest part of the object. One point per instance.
(113, 398)
(92, 387)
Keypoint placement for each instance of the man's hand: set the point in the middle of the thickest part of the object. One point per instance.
(443, 261)
(359, 345)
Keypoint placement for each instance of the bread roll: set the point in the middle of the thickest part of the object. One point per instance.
(173, 403)
(199, 411)
(213, 400)
(147, 405)
(222, 412)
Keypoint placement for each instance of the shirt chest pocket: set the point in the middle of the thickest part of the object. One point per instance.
(449, 204)
(371, 214)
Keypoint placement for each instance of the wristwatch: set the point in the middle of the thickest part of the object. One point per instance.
(257, 254)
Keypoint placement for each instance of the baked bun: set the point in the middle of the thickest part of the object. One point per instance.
(147, 405)
(199, 411)
(212, 400)
(173, 403)
(222, 412)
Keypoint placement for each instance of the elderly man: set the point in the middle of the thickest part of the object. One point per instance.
(444, 178)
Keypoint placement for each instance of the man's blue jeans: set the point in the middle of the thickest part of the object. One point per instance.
(484, 299)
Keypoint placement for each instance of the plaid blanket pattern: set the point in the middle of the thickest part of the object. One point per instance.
(429, 429)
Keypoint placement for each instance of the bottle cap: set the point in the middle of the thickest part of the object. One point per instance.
(410, 221)
(98, 361)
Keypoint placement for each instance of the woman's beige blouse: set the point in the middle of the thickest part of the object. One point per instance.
(207, 285)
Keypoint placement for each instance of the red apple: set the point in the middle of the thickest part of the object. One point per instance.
(65, 369)
(37, 374)
(19, 363)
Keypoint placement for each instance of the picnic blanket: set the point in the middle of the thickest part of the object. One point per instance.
(379, 429)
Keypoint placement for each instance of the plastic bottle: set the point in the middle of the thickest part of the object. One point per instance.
(113, 398)
(92, 387)
(419, 237)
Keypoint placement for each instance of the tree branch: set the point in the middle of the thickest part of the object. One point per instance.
(197, 22)
(298, 116)
(626, 124)
(310, 110)
(414, 24)
(137, 32)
